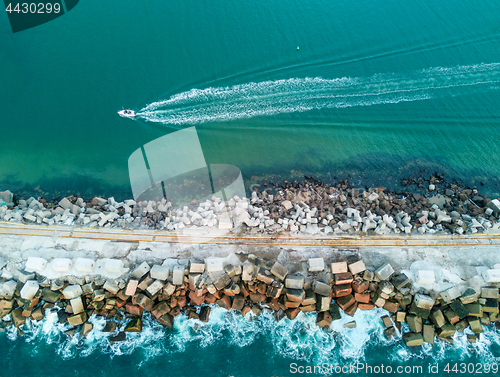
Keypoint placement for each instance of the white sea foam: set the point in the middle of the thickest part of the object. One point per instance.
(299, 340)
(305, 94)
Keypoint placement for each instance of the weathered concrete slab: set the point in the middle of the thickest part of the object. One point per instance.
(35, 264)
(491, 276)
(84, 265)
(215, 264)
(425, 277)
(62, 265)
(114, 266)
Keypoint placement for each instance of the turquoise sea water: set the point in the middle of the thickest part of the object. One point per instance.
(378, 89)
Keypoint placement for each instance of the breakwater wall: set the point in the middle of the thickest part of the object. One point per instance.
(425, 303)
(309, 207)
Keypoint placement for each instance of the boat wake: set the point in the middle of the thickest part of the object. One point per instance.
(304, 94)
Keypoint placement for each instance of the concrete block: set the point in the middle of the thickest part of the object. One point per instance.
(423, 301)
(160, 272)
(131, 287)
(412, 339)
(279, 271)
(316, 264)
(72, 291)
(215, 264)
(155, 287)
(294, 282)
(77, 305)
(178, 275)
(77, 319)
(141, 270)
(450, 294)
(469, 296)
(425, 277)
(489, 292)
(84, 265)
(65, 203)
(62, 265)
(357, 267)
(197, 268)
(322, 288)
(287, 204)
(491, 276)
(339, 267)
(7, 289)
(29, 289)
(36, 264)
(384, 272)
(114, 266)
(111, 286)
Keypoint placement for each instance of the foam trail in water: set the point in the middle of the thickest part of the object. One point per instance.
(304, 94)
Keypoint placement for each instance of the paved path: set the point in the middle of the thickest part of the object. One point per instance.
(227, 238)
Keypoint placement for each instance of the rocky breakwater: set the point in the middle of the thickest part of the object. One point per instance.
(78, 289)
(308, 207)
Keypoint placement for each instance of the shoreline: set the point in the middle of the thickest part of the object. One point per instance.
(309, 207)
(120, 281)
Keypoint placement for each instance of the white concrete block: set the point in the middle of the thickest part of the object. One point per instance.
(111, 286)
(155, 287)
(178, 275)
(160, 272)
(215, 264)
(491, 276)
(316, 264)
(77, 305)
(35, 264)
(72, 291)
(62, 264)
(425, 277)
(84, 265)
(141, 270)
(29, 290)
(114, 266)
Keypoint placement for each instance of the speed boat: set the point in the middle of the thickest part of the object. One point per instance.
(127, 113)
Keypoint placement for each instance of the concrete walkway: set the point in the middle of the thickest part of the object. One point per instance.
(221, 237)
